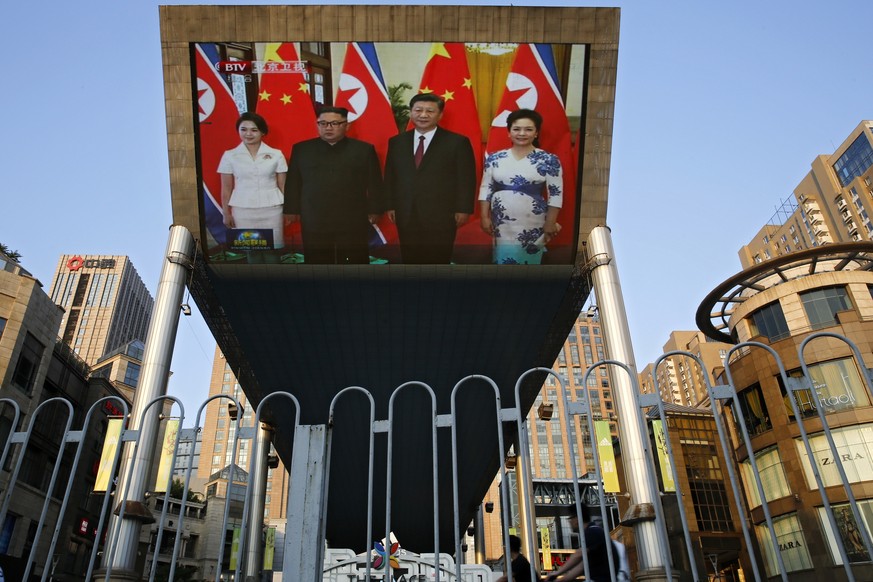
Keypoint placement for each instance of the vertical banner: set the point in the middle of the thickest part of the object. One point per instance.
(110, 448)
(663, 458)
(269, 548)
(234, 548)
(607, 456)
(165, 467)
(546, 545)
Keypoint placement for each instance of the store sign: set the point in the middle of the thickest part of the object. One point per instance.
(854, 447)
(77, 262)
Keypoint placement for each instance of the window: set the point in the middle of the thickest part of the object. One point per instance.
(849, 531)
(772, 475)
(131, 374)
(754, 410)
(855, 161)
(2, 326)
(769, 321)
(854, 448)
(838, 386)
(822, 305)
(28, 363)
(791, 544)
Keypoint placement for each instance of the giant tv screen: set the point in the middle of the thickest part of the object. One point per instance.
(307, 152)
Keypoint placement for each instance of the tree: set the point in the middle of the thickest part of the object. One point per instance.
(178, 487)
(14, 255)
(399, 104)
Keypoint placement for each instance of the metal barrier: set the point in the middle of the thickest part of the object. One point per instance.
(452, 569)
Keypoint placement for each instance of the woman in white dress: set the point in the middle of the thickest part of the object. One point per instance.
(253, 180)
(521, 193)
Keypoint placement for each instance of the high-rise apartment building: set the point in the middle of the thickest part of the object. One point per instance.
(106, 303)
(833, 203)
(549, 440)
(216, 449)
(680, 378)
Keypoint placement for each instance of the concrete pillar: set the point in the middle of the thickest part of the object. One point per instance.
(613, 321)
(304, 553)
(158, 353)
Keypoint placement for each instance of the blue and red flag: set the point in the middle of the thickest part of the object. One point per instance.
(362, 91)
(217, 115)
(532, 83)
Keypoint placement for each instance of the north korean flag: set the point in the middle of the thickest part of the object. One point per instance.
(217, 115)
(362, 91)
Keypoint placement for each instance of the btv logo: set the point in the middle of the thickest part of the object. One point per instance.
(234, 67)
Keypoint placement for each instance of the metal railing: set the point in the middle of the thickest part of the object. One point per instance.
(646, 405)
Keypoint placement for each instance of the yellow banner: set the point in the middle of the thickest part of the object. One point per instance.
(269, 548)
(234, 549)
(607, 456)
(663, 457)
(107, 457)
(165, 467)
(545, 544)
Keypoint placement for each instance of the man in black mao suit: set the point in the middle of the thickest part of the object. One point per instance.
(430, 180)
(334, 187)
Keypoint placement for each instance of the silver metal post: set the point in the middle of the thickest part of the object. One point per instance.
(479, 535)
(258, 483)
(651, 551)
(153, 384)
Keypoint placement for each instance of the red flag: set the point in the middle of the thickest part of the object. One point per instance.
(285, 103)
(283, 98)
(362, 91)
(447, 74)
(532, 83)
(217, 130)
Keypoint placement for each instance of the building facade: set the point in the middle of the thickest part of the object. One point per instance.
(833, 203)
(105, 302)
(680, 379)
(35, 367)
(780, 304)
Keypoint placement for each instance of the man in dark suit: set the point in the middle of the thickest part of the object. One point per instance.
(334, 187)
(430, 179)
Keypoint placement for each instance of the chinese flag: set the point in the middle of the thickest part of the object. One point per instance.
(362, 91)
(447, 74)
(217, 129)
(283, 99)
(532, 83)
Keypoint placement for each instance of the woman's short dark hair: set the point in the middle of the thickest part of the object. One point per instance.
(514, 544)
(524, 114)
(259, 121)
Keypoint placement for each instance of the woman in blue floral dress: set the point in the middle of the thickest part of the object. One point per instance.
(521, 193)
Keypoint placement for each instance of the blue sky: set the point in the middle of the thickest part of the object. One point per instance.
(720, 109)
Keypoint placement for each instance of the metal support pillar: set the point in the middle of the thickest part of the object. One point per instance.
(613, 322)
(258, 482)
(479, 535)
(526, 512)
(304, 522)
(158, 353)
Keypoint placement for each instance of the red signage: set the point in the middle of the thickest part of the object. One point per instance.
(77, 262)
